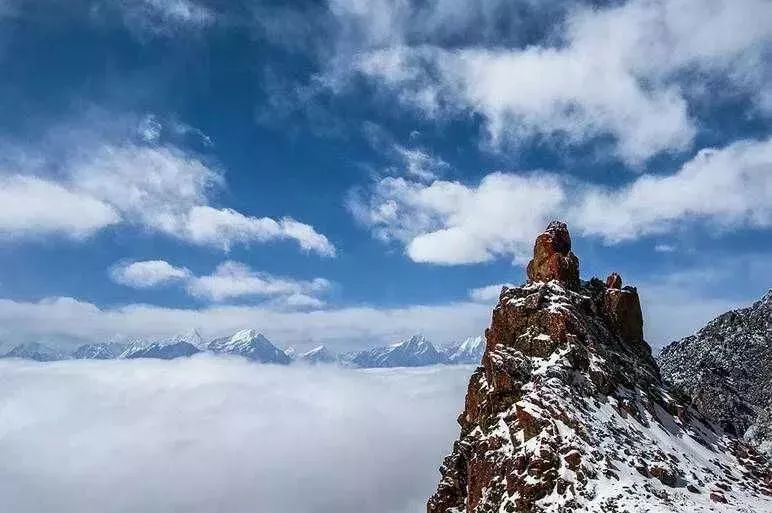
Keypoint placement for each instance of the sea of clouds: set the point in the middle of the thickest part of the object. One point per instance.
(211, 434)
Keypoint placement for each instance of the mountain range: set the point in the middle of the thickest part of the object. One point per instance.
(416, 351)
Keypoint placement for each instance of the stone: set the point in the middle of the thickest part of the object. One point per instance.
(553, 258)
(614, 281)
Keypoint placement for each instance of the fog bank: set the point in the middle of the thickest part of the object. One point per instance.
(210, 434)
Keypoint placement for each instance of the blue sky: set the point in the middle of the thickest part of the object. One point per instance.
(350, 172)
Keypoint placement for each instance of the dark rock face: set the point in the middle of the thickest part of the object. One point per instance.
(568, 412)
(552, 257)
(725, 369)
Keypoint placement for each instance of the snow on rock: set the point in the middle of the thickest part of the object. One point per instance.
(99, 351)
(183, 344)
(568, 413)
(317, 355)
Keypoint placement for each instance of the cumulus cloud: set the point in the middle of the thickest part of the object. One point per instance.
(133, 177)
(148, 273)
(622, 70)
(165, 189)
(208, 433)
(234, 279)
(451, 223)
(447, 222)
(31, 206)
(727, 187)
(228, 281)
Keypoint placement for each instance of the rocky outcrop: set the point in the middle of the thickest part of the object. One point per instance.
(725, 370)
(568, 411)
(552, 257)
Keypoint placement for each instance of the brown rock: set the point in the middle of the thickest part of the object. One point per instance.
(614, 281)
(717, 497)
(623, 310)
(552, 257)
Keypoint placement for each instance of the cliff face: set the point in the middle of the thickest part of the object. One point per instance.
(568, 411)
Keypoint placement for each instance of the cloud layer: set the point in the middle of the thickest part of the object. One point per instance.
(445, 222)
(209, 434)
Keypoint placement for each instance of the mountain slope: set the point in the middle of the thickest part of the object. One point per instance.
(98, 351)
(413, 352)
(725, 369)
(35, 351)
(470, 351)
(318, 355)
(251, 345)
(568, 412)
(184, 344)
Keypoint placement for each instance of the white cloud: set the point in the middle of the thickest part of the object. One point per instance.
(163, 17)
(165, 189)
(209, 433)
(159, 188)
(31, 206)
(621, 70)
(234, 279)
(148, 273)
(488, 293)
(224, 226)
(420, 164)
(228, 281)
(726, 187)
(451, 223)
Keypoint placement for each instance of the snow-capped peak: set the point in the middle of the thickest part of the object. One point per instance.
(250, 344)
(191, 336)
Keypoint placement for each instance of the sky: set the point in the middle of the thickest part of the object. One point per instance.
(209, 434)
(350, 172)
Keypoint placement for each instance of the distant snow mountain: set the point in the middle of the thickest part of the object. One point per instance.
(35, 351)
(184, 344)
(99, 351)
(413, 352)
(251, 345)
(291, 352)
(469, 351)
(318, 355)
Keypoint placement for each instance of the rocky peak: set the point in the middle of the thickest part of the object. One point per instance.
(553, 258)
(568, 412)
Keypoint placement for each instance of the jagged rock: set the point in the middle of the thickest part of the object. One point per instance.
(552, 257)
(614, 281)
(725, 370)
(568, 413)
